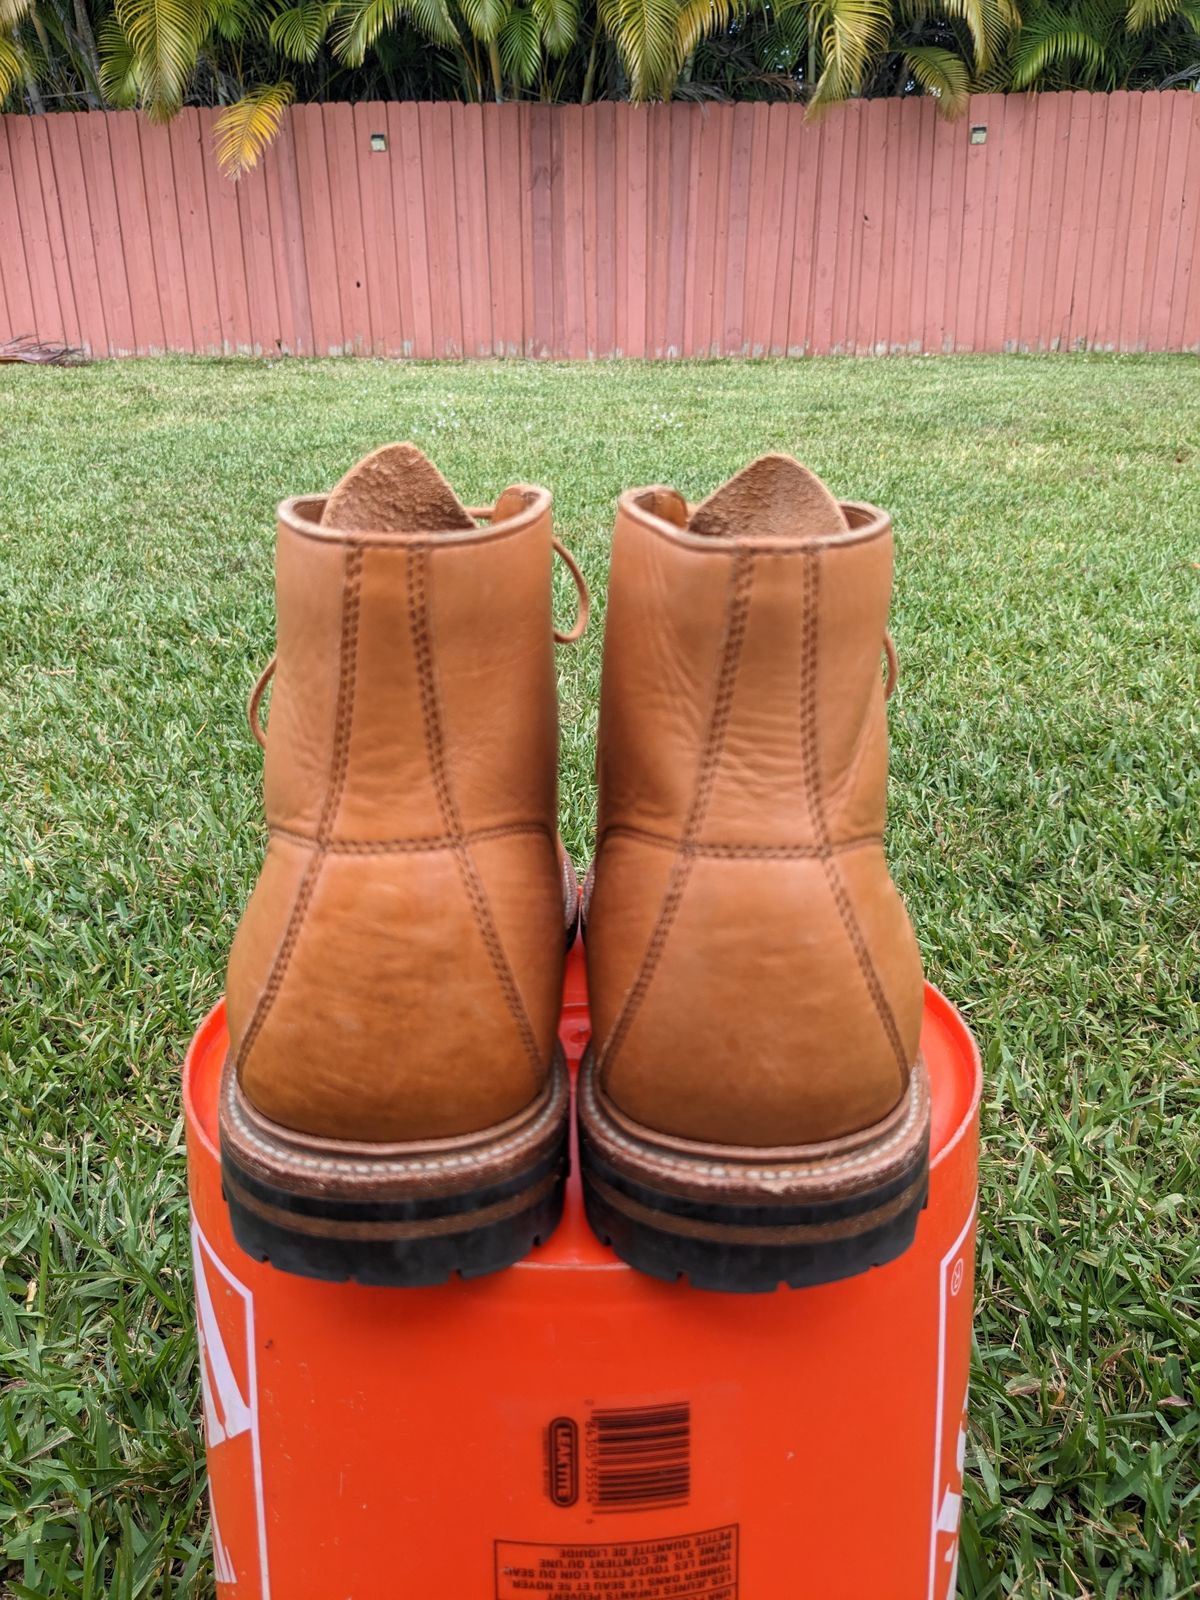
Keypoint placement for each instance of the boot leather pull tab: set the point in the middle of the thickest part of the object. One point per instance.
(579, 626)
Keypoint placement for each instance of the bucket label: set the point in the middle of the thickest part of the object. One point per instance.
(562, 1461)
(225, 1327)
(634, 1458)
(682, 1566)
(950, 1437)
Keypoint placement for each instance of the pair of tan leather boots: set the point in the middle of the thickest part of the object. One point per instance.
(753, 1109)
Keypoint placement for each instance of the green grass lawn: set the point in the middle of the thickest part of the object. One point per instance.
(1044, 828)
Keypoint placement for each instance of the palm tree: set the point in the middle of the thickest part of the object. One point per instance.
(654, 39)
(488, 48)
(495, 45)
(251, 57)
(13, 68)
(49, 50)
(827, 51)
(1104, 44)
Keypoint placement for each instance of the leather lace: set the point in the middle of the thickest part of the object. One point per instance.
(893, 661)
(579, 626)
(255, 700)
(574, 633)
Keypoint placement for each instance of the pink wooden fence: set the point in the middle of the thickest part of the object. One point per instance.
(613, 230)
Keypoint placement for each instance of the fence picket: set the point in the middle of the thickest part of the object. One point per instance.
(613, 229)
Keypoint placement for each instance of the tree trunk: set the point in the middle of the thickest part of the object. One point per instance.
(589, 77)
(87, 48)
(34, 95)
(497, 74)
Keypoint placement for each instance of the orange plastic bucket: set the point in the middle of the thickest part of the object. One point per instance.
(572, 1430)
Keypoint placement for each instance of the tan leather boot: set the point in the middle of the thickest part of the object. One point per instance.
(394, 1107)
(754, 1110)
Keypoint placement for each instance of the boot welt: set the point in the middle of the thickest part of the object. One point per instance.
(746, 1220)
(397, 1215)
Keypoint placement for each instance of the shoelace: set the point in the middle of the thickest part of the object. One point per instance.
(893, 661)
(576, 631)
(579, 626)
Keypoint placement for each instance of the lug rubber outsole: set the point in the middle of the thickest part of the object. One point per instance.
(396, 1216)
(746, 1221)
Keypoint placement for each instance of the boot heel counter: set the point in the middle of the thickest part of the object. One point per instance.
(387, 1021)
(255, 954)
(525, 895)
(767, 1020)
(889, 946)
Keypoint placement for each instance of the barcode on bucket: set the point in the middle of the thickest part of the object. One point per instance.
(640, 1459)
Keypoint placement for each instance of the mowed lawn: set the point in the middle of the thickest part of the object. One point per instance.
(1044, 828)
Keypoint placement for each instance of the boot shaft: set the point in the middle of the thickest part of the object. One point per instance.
(415, 690)
(742, 696)
(753, 976)
(397, 972)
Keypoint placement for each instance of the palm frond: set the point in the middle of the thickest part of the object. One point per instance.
(360, 22)
(298, 31)
(433, 19)
(165, 36)
(559, 22)
(237, 20)
(700, 19)
(119, 77)
(25, 350)
(996, 79)
(644, 33)
(850, 33)
(1053, 39)
(785, 40)
(13, 12)
(521, 46)
(941, 74)
(989, 23)
(244, 130)
(1144, 14)
(12, 66)
(484, 18)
